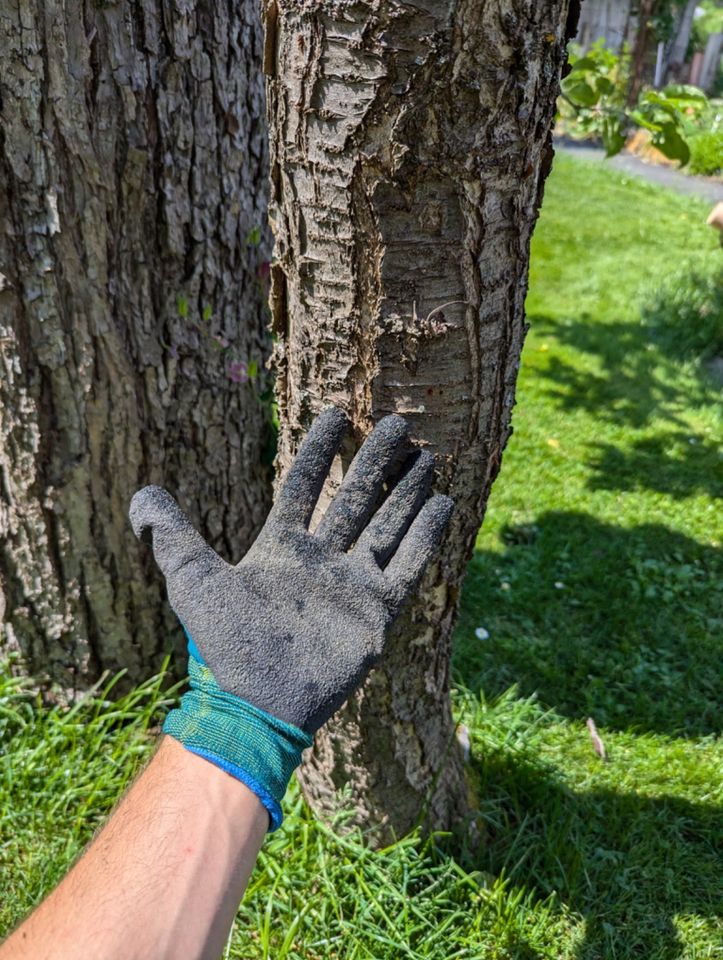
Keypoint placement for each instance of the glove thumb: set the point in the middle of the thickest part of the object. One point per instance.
(157, 519)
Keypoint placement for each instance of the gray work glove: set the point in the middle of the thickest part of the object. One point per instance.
(294, 628)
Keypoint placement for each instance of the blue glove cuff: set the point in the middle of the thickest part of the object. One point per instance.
(249, 744)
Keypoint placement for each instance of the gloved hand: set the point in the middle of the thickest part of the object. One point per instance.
(279, 641)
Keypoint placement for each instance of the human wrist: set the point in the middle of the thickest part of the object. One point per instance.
(217, 793)
(248, 743)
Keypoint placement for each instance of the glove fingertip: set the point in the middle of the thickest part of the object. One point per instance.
(332, 417)
(145, 506)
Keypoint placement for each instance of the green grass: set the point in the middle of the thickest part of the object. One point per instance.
(597, 576)
(609, 483)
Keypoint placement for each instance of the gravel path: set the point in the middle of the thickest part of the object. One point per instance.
(703, 187)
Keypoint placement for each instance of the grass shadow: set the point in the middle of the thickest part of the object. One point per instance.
(628, 864)
(597, 620)
(635, 382)
(675, 462)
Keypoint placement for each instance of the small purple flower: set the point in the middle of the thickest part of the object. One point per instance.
(221, 341)
(238, 371)
(263, 270)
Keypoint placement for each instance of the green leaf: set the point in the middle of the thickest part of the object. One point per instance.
(252, 370)
(584, 63)
(651, 98)
(641, 120)
(604, 86)
(684, 91)
(612, 136)
(671, 144)
(182, 307)
(579, 92)
(207, 313)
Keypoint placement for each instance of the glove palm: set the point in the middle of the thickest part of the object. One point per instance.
(295, 627)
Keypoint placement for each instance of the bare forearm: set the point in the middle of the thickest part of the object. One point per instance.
(165, 876)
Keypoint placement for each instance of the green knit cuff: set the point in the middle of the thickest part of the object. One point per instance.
(255, 747)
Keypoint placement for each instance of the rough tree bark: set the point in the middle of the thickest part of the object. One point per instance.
(133, 160)
(409, 146)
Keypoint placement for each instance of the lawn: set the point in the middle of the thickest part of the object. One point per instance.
(595, 591)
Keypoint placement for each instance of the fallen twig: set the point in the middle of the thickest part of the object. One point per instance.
(597, 744)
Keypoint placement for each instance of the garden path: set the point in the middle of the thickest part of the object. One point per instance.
(706, 188)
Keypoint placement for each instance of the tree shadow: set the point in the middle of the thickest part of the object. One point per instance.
(628, 864)
(636, 380)
(673, 462)
(597, 620)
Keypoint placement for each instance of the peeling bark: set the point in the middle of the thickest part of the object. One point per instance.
(409, 146)
(132, 162)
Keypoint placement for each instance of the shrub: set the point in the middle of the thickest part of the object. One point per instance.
(706, 152)
(593, 103)
(685, 314)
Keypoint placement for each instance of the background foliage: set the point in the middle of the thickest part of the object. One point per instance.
(594, 102)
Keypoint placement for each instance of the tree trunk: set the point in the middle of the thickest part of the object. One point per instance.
(711, 61)
(132, 199)
(681, 41)
(640, 59)
(604, 20)
(409, 146)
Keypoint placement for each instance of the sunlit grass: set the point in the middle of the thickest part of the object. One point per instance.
(597, 580)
